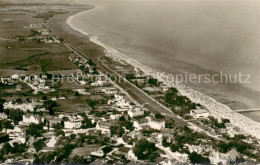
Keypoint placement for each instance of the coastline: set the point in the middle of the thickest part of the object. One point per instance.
(216, 109)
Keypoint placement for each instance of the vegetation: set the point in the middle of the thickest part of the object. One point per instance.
(153, 82)
(35, 130)
(117, 130)
(38, 145)
(196, 158)
(144, 150)
(15, 149)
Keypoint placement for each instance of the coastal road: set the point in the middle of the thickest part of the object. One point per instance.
(136, 93)
(140, 96)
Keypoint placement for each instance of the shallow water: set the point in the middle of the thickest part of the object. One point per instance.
(179, 37)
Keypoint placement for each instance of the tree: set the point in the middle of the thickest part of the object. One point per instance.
(165, 143)
(143, 149)
(38, 145)
(117, 130)
(153, 82)
(19, 100)
(7, 112)
(44, 98)
(76, 93)
(27, 100)
(51, 111)
(174, 147)
(196, 158)
(6, 124)
(1, 108)
(16, 115)
(159, 116)
(6, 148)
(2, 101)
(35, 130)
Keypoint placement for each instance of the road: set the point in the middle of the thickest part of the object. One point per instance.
(140, 96)
(136, 93)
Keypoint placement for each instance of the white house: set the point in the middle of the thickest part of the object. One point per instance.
(164, 87)
(3, 116)
(72, 124)
(98, 153)
(51, 142)
(29, 118)
(136, 111)
(157, 124)
(199, 113)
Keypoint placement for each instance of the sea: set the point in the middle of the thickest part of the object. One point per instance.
(187, 39)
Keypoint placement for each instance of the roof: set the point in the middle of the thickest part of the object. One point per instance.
(124, 149)
(200, 111)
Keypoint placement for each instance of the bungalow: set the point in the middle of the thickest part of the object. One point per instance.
(169, 137)
(30, 118)
(200, 113)
(47, 149)
(110, 90)
(123, 151)
(164, 87)
(157, 124)
(98, 153)
(105, 125)
(138, 124)
(136, 111)
(72, 124)
(3, 116)
(51, 142)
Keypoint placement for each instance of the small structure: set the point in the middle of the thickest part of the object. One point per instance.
(72, 124)
(98, 153)
(200, 113)
(30, 118)
(157, 124)
(136, 111)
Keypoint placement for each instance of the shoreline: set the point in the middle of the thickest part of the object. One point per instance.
(216, 109)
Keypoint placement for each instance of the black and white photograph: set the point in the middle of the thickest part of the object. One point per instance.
(163, 82)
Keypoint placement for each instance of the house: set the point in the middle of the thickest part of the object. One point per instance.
(138, 124)
(193, 148)
(199, 113)
(98, 153)
(24, 107)
(72, 124)
(121, 152)
(105, 125)
(169, 137)
(3, 116)
(223, 158)
(47, 149)
(30, 118)
(136, 111)
(164, 87)
(110, 90)
(51, 142)
(157, 124)
(55, 121)
(120, 103)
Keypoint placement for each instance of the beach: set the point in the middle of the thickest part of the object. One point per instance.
(216, 109)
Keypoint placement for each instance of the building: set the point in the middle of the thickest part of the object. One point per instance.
(164, 87)
(157, 124)
(200, 113)
(3, 116)
(136, 111)
(30, 118)
(98, 153)
(72, 124)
